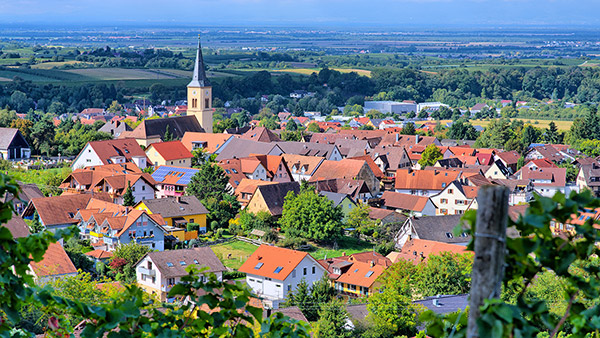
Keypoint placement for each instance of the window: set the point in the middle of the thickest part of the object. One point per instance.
(259, 265)
(169, 264)
(143, 187)
(294, 273)
(191, 220)
(449, 235)
(451, 191)
(182, 263)
(304, 270)
(206, 103)
(443, 201)
(314, 270)
(369, 274)
(149, 265)
(170, 281)
(153, 280)
(278, 269)
(443, 185)
(195, 261)
(289, 287)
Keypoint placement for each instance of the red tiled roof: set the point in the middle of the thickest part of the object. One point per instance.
(55, 262)
(418, 250)
(172, 150)
(99, 254)
(397, 200)
(424, 179)
(272, 258)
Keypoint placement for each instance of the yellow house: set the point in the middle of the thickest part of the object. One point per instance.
(177, 211)
(169, 153)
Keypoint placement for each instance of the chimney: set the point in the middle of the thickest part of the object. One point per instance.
(397, 137)
(372, 263)
(417, 139)
(422, 255)
(178, 199)
(344, 253)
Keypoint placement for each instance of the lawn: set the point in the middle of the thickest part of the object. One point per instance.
(237, 251)
(347, 245)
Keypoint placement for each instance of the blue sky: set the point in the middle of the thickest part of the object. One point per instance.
(345, 13)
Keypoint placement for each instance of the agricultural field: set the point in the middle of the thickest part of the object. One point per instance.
(561, 125)
(51, 65)
(121, 74)
(308, 71)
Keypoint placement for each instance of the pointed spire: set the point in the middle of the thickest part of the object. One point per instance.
(199, 78)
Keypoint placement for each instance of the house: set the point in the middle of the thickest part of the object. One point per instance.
(57, 212)
(154, 130)
(85, 179)
(177, 211)
(342, 200)
(433, 228)
(169, 153)
(99, 256)
(115, 128)
(239, 148)
(110, 152)
(27, 192)
(418, 250)
(13, 145)
(238, 169)
(539, 163)
(329, 151)
(353, 277)
(17, 227)
(271, 197)
(132, 226)
(385, 217)
(547, 181)
(589, 178)
(348, 169)
(497, 170)
(302, 168)
(409, 204)
(246, 189)
(353, 148)
(210, 142)
(356, 189)
(389, 159)
(260, 134)
(158, 272)
(273, 272)
(549, 153)
(171, 180)
(142, 186)
(478, 108)
(54, 265)
(509, 159)
(277, 168)
(423, 182)
(521, 191)
(455, 199)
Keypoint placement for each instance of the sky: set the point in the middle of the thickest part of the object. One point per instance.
(343, 13)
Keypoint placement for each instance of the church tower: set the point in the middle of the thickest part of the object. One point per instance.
(199, 94)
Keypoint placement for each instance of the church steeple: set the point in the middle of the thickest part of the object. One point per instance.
(199, 94)
(199, 78)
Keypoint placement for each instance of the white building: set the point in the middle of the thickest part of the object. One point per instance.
(273, 272)
(430, 106)
(391, 107)
(157, 272)
(110, 152)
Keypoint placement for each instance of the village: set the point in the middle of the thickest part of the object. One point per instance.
(338, 207)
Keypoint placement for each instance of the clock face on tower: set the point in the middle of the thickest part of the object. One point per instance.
(207, 92)
(193, 92)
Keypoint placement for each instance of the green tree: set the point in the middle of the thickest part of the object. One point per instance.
(552, 135)
(168, 134)
(128, 198)
(461, 130)
(530, 135)
(312, 216)
(408, 129)
(423, 114)
(129, 254)
(313, 127)
(322, 292)
(430, 155)
(209, 181)
(302, 298)
(291, 135)
(291, 126)
(42, 136)
(358, 218)
(445, 274)
(200, 155)
(391, 311)
(333, 321)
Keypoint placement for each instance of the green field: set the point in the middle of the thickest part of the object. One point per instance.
(561, 125)
(346, 245)
(237, 251)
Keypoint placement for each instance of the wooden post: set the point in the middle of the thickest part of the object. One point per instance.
(490, 247)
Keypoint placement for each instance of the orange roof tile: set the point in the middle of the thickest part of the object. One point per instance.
(424, 179)
(172, 150)
(213, 141)
(55, 262)
(272, 258)
(412, 250)
(358, 272)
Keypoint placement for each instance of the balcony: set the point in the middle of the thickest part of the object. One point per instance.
(146, 271)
